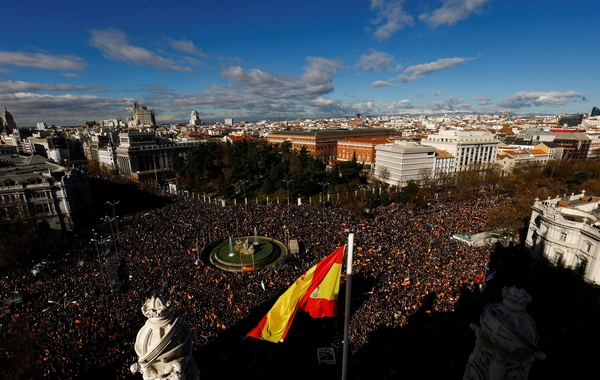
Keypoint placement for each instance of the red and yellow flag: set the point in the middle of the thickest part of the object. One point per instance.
(315, 291)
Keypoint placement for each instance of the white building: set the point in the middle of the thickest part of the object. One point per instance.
(565, 232)
(195, 118)
(400, 162)
(444, 165)
(470, 148)
(43, 194)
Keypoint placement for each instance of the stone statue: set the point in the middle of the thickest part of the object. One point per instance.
(164, 344)
(506, 341)
(244, 248)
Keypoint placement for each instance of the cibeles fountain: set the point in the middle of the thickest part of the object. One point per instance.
(164, 343)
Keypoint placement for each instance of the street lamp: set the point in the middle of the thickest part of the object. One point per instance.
(113, 203)
(287, 181)
(102, 242)
(323, 197)
(244, 182)
(109, 220)
(64, 306)
(154, 162)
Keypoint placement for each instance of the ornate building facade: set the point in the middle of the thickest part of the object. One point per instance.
(565, 232)
(44, 194)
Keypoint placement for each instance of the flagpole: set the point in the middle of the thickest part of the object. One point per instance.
(348, 299)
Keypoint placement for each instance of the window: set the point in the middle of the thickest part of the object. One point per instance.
(557, 259)
(588, 247)
(563, 236)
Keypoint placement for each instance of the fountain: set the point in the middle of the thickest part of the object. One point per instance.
(250, 253)
(231, 253)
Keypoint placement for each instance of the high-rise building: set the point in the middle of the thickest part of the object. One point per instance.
(195, 118)
(143, 115)
(9, 122)
(595, 111)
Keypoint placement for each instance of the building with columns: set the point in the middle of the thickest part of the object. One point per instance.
(565, 232)
(142, 155)
(471, 149)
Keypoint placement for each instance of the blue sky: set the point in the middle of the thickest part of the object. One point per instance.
(64, 62)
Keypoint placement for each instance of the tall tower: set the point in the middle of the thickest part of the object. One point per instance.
(195, 118)
(9, 122)
(506, 341)
(143, 115)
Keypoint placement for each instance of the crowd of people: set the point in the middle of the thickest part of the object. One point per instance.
(405, 252)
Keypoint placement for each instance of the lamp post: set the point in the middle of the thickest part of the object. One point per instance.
(64, 306)
(287, 181)
(109, 220)
(154, 159)
(323, 197)
(102, 241)
(244, 182)
(113, 203)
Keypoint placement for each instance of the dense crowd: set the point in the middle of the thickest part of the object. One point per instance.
(405, 252)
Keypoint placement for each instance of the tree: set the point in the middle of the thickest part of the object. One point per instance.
(384, 174)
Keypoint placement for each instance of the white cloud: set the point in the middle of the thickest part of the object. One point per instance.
(375, 61)
(437, 93)
(20, 86)
(452, 104)
(382, 83)
(524, 99)
(451, 12)
(264, 93)
(114, 44)
(68, 109)
(71, 75)
(390, 18)
(484, 100)
(42, 61)
(417, 71)
(186, 46)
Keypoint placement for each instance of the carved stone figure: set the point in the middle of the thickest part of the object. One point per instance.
(244, 248)
(506, 342)
(164, 344)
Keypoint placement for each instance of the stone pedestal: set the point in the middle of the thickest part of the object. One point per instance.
(506, 342)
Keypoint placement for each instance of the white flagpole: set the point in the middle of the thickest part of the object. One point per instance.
(348, 299)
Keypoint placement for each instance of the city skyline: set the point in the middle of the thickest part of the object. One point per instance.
(76, 61)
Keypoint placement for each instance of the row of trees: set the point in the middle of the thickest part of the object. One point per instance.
(258, 169)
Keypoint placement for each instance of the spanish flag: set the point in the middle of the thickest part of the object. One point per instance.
(315, 292)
